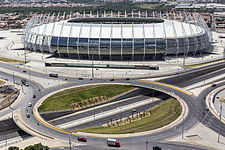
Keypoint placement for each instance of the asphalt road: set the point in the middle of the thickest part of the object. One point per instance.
(117, 105)
(196, 106)
(154, 138)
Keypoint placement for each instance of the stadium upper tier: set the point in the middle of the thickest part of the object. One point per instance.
(113, 38)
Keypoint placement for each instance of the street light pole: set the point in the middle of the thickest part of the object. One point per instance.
(25, 59)
(92, 64)
(94, 112)
(29, 72)
(146, 144)
(184, 59)
(70, 142)
(183, 127)
(220, 121)
(13, 78)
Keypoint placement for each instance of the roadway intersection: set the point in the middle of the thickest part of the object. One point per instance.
(196, 105)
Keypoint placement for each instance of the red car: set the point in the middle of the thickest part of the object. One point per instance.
(111, 79)
(82, 139)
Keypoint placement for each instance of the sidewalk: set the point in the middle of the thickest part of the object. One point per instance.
(52, 143)
(201, 135)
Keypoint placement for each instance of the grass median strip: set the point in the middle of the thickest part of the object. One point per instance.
(161, 115)
(10, 60)
(63, 100)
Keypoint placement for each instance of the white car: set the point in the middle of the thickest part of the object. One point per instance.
(30, 104)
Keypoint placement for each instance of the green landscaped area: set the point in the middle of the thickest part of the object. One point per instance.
(10, 60)
(160, 116)
(63, 100)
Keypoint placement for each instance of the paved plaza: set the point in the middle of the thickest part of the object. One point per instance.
(11, 47)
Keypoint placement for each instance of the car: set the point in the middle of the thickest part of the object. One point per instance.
(82, 139)
(28, 115)
(34, 96)
(156, 148)
(29, 104)
(111, 79)
(134, 110)
(214, 85)
(127, 79)
(38, 123)
(24, 82)
(206, 108)
(24, 71)
(113, 142)
(55, 75)
(80, 78)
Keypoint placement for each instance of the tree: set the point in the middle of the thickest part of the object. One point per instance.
(38, 146)
(13, 148)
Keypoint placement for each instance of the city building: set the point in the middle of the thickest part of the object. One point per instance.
(219, 21)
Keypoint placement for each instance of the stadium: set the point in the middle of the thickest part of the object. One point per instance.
(129, 38)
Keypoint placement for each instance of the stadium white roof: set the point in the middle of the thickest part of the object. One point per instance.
(168, 29)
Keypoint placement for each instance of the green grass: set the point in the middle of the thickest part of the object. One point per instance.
(160, 116)
(62, 100)
(197, 65)
(10, 60)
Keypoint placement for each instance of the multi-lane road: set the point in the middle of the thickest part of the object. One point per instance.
(196, 105)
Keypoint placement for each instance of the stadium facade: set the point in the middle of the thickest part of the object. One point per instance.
(109, 37)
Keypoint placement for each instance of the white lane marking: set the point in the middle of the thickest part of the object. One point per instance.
(106, 113)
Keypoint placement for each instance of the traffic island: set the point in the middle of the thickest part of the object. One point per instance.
(155, 118)
(8, 94)
(83, 97)
(179, 119)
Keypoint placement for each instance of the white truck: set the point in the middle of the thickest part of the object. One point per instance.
(113, 142)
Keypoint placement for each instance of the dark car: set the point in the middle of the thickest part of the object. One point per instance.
(214, 85)
(82, 139)
(112, 79)
(34, 96)
(55, 75)
(80, 78)
(156, 148)
(24, 82)
(127, 79)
